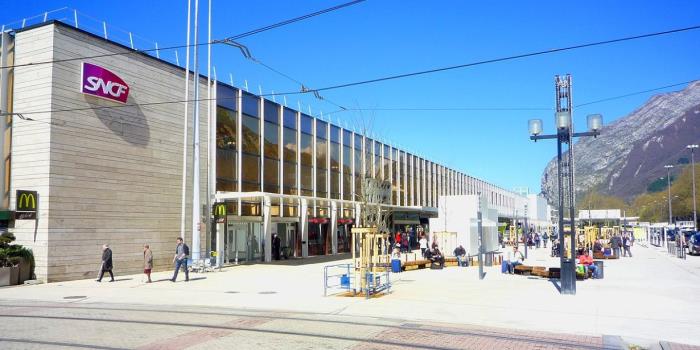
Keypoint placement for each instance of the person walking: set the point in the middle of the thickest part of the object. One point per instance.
(180, 259)
(147, 262)
(615, 245)
(423, 245)
(545, 237)
(106, 263)
(626, 246)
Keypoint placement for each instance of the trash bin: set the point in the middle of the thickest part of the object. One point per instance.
(395, 265)
(345, 281)
(599, 267)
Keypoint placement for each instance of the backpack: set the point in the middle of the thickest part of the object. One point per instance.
(186, 249)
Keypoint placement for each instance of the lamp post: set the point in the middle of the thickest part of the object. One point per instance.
(565, 134)
(695, 208)
(668, 180)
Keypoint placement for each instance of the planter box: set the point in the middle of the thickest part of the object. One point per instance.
(25, 271)
(9, 276)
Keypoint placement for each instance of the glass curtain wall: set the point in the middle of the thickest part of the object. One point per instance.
(250, 167)
(394, 176)
(347, 165)
(335, 162)
(272, 157)
(306, 148)
(289, 156)
(321, 159)
(358, 167)
(226, 150)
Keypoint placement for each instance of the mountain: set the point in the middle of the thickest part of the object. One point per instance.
(631, 152)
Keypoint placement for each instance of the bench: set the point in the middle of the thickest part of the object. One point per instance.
(523, 270)
(415, 264)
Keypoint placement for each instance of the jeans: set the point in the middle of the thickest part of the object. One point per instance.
(512, 265)
(461, 261)
(616, 252)
(593, 269)
(182, 263)
(627, 252)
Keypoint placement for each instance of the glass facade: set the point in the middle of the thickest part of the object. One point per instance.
(289, 152)
(321, 159)
(271, 169)
(262, 146)
(335, 162)
(250, 162)
(307, 155)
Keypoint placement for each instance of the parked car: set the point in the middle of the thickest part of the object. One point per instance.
(694, 244)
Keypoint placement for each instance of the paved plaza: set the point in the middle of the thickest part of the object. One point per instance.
(647, 300)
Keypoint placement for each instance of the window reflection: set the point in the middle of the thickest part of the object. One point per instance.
(226, 153)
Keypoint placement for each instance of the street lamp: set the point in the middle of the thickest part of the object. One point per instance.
(565, 135)
(668, 179)
(695, 208)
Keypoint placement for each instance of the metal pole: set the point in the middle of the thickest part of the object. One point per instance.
(184, 127)
(695, 209)
(481, 238)
(195, 144)
(211, 134)
(527, 230)
(668, 179)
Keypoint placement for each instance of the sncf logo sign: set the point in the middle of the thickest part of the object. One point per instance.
(102, 83)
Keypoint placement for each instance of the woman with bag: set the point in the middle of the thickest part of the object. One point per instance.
(147, 262)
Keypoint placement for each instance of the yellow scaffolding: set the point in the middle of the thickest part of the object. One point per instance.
(371, 255)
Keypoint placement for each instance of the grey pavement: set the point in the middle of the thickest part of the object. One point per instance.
(642, 300)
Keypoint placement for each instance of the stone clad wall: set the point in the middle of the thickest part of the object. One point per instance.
(31, 139)
(115, 173)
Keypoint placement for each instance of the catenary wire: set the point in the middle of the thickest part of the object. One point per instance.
(145, 104)
(495, 60)
(238, 36)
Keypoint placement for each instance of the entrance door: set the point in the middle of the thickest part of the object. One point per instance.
(291, 240)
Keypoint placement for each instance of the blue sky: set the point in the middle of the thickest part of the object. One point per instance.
(379, 38)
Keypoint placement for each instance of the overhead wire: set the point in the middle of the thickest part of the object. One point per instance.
(495, 60)
(237, 36)
(145, 104)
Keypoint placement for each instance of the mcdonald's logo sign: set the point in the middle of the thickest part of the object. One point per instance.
(26, 200)
(26, 204)
(220, 210)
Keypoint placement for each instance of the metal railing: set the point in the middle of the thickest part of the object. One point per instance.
(97, 27)
(337, 277)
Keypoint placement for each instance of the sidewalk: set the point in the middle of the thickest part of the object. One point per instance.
(643, 299)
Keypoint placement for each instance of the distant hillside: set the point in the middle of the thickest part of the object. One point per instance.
(631, 152)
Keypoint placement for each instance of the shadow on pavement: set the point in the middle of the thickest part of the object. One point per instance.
(310, 260)
(486, 334)
(59, 344)
(555, 283)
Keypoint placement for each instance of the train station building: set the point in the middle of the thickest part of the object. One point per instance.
(97, 136)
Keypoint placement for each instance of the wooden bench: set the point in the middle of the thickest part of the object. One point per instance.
(415, 264)
(523, 270)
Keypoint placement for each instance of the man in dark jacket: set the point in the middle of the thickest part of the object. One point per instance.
(616, 244)
(106, 263)
(180, 259)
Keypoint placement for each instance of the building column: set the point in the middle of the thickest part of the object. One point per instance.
(304, 228)
(267, 229)
(334, 227)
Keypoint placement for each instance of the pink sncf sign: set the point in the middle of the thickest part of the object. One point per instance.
(102, 83)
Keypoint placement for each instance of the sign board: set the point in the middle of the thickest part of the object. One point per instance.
(26, 205)
(102, 83)
(219, 211)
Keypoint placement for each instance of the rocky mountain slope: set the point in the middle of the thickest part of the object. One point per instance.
(632, 151)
